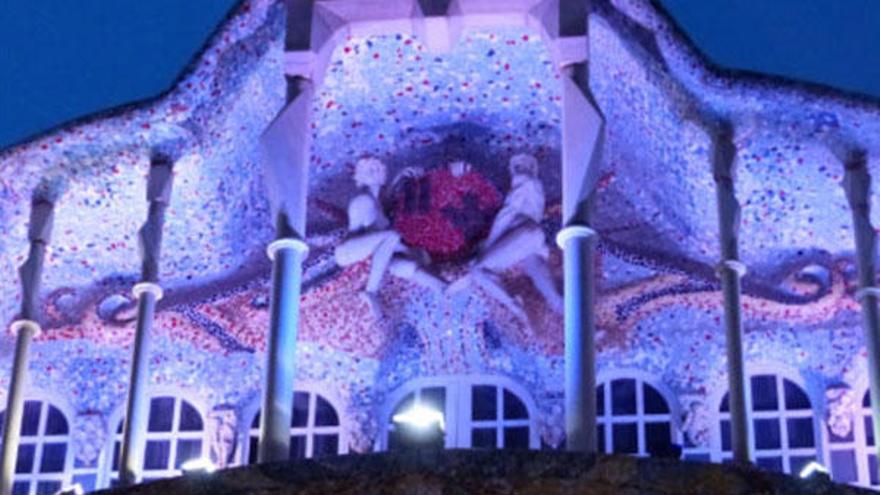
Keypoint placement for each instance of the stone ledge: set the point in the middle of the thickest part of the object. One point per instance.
(459, 472)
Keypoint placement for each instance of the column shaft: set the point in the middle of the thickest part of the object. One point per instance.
(857, 182)
(15, 406)
(730, 271)
(280, 368)
(137, 403)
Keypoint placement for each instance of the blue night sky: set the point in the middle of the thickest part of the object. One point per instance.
(60, 60)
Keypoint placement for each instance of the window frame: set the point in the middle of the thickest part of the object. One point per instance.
(245, 430)
(859, 443)
(457, 416)
(640, 418)
(40, 439)
(781, 414)
(107, 473)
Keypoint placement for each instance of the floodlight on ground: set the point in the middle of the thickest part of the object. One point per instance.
(812, 468)
(200, 465)
(74, 489)
(420, 417)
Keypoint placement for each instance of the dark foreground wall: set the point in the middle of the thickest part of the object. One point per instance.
(460, 472)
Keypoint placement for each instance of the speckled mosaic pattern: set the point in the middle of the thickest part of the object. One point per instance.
(496, 94)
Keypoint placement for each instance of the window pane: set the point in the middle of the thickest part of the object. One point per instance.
(117, 447)
(21, 488)
(483, 402)
(404, 404)
(48, 487)
(190, 419)
(767, 434)
(625, 438)
(161, 414)
(725, 403)
(297, 447)
(87, 481)
(601, 433)
(157, 454)
(256, 422)
(516, 437)
(869, 431)
(764, 397)
(623, 398)
(325, 415)
(872, 469)
(24, 463)
(866, 400)
(843, 466)
(798, 463)
(483, 438)
(658, 437)
(654, 402)
(253, 448)
(800, 432)
(795, 398)
(725, 435)
(187, 450)
(600, 400)
(833, 438)
(52, 458)
(513, 407)
(300, 410)
(30, 420)
(325, 445)
(55, 423)
(434, 398)
(770, 463)
(395, 440)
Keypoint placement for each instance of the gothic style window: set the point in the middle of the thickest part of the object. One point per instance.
(315, 429)
(479, 412)
(633, 417)
(44, 452)
(175, 434)
(782, 425)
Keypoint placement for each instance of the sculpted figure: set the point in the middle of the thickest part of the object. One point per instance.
(371, 236)
(222, 436)
(516, 236)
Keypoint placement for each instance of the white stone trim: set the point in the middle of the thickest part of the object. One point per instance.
(573, 232)
(286, 243)
(735, 265)
(18, 325)
(147, 288)
(864, 292)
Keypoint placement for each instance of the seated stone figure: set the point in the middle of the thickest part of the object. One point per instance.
(371, 236)
(516, 236)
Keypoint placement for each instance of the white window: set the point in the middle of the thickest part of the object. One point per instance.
(175, 434)
(783, 430)
(851, 458)
(479, 412)
(44, 454)
(315, 429)
(633, 417)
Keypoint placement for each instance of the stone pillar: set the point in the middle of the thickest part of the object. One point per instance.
(148, 294)
(857, 183)
(25, 329)
(286, 149)
(582, 139)
(730, 270)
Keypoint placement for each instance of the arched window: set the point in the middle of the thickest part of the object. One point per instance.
(868, 456)
(44, 456)
(633, 417)
(479, 412)
(175, 434)
(783, 432)
(315, 429)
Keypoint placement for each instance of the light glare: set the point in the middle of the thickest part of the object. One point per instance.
(420, 417)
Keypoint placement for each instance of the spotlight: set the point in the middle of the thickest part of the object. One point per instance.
(201, 465)
(420, 417)
(812, 468)
(74, 489)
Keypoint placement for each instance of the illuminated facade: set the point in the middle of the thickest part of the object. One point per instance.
(475, 114)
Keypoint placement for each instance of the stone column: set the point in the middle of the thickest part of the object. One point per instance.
(857, 183)
(25, 329)
(582, 138)
(148, 294)
(730, 270)
(286, 151)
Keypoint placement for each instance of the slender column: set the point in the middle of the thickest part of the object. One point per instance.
(26, 328)
(147, 293)
(857, 183)
(581, 145)
(730, 270)
(285, 146)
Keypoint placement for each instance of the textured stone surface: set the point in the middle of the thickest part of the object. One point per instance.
(455, 472)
